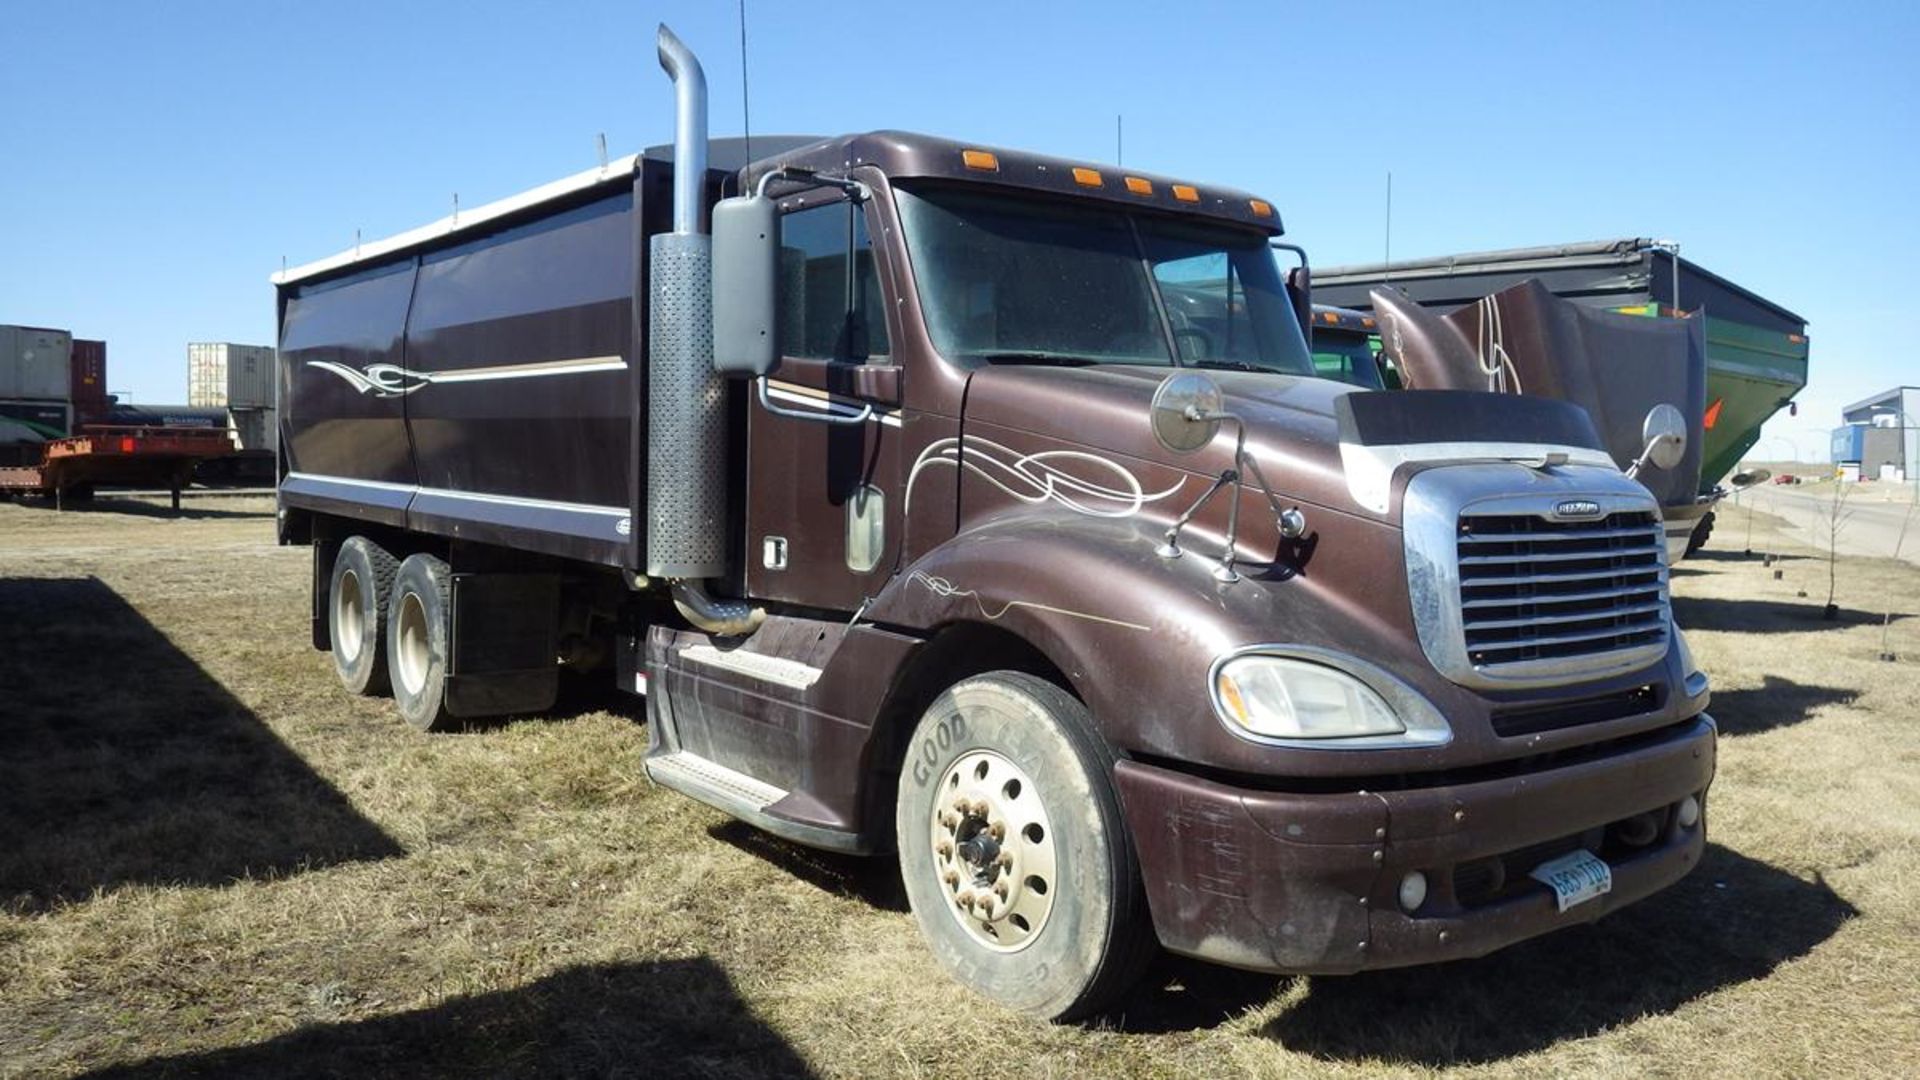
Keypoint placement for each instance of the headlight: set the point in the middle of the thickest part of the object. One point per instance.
(1282, 698)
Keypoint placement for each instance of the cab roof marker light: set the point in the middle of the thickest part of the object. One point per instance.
(1139, 185)
(1088, 177)
(984, 160)
(1260, 207)
(1186, 193)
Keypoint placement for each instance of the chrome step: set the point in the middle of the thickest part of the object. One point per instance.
(711, 782)
(773, 669)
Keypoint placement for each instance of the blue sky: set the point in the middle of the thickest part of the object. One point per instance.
(158, 161)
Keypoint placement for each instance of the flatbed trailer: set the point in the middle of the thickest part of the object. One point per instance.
(71, 468)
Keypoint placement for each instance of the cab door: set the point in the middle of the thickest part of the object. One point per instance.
(823, 472)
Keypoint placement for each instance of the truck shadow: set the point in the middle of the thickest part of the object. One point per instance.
(874, 880)
(1775, 703)
(1733, 920)
(1766, 616)
(670, 1018)
(122, 761)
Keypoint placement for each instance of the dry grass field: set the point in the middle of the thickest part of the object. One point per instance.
(214, 861)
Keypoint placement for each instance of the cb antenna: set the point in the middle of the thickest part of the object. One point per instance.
(746, 113)
(1119, 139)
(1386, 256)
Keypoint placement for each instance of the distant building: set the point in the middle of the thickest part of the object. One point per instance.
(1880, 435)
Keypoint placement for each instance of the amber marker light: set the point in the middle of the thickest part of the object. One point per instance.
(1087, 177)
(1139, 185)
(1261, 207)
(1186, 193)
(983, 160)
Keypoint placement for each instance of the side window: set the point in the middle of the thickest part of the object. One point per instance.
(829, 288)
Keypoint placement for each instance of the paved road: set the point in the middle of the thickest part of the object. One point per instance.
(1871, 516)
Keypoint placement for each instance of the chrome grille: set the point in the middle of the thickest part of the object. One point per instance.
(1506, 592)
(1533, 588)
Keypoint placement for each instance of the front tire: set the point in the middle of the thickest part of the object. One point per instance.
(419, 637)
(357, 595)
(1016, 861)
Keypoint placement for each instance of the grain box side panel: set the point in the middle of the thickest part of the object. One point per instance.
(522, 345)
(343, 421)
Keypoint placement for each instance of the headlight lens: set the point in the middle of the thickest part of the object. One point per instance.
(1283, 698)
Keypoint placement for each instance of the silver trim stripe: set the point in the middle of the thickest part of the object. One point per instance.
(795, 394)
(600, 522)
(392, 380)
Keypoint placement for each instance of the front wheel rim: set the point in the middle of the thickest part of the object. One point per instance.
(993, 850)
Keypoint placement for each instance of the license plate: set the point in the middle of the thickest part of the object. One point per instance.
(1575, 878)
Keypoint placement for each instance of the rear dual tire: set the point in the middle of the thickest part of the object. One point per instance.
(388, 621)
(419, 636)
(357, 595)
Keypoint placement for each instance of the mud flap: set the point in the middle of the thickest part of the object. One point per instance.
(324, 552)
(503, 653)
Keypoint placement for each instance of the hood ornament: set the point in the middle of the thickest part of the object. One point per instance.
(1186, 414)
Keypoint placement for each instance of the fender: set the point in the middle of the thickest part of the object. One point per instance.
(1124, 625)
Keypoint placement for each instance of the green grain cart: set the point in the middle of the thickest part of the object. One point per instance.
(1756, 349)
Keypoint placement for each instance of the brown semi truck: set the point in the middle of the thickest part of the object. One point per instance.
(986, 508)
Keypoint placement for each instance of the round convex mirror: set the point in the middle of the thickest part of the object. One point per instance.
(1186, 411)
(1665, 433)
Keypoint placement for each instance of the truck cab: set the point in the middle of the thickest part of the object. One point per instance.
(989, 509)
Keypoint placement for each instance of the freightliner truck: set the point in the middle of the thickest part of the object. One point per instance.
(930, 519)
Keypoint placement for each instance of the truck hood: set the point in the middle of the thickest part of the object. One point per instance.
(1316, 441)
(1292, 426)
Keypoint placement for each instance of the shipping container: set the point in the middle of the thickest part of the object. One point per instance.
(88, 391)
(220, 374)
(35, 363)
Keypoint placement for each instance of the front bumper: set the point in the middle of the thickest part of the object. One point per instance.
(1288, 882)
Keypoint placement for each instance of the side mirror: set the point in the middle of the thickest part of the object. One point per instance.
(1300, 292)
(1665, 432)
(746, 303)
(1744, 480)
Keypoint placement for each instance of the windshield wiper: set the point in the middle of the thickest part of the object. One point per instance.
(1035, 357)
(1229, 365)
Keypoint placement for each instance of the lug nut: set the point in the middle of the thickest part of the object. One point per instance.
(1004, 860)
(952, 878)
(998, 830)
(960, 804)
(944, 848)
(1000, 889)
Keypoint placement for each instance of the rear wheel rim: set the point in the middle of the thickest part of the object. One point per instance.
(412, 645)
(994, 851)
(349, 613)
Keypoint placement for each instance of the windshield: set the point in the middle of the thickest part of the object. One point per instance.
(1345, 357)
(1005, 279)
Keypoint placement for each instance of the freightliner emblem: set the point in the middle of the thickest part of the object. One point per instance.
(1577, 508)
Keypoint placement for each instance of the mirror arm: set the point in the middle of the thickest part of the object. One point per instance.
(855, 190)
(766, 403)
(1242, 464)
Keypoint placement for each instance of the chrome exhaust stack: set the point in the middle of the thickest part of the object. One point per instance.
(686, 398)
